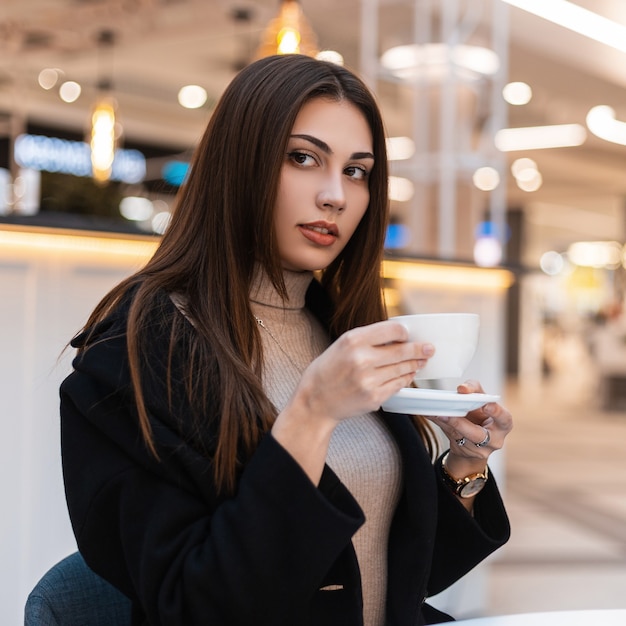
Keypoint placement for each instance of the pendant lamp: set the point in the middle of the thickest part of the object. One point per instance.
(288, 33)
(104, 128)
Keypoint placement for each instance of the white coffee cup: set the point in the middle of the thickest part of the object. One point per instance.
(454, 335)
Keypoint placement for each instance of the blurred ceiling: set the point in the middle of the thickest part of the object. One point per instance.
(161, 45)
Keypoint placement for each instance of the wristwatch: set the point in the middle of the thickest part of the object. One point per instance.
(464, 487)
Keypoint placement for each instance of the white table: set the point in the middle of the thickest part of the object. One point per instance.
(605, 617)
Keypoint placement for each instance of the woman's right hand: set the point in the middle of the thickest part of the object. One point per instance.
(355, 375)
(360, 370)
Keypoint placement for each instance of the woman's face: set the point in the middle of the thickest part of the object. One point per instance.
(324, 184)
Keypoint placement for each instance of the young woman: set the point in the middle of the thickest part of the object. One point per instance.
(225, 458)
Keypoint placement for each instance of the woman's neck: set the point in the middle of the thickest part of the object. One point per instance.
(263, 292)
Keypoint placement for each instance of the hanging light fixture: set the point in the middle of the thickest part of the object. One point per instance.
(435, 61)
(104, 128)
(103, 140)
(288, 33)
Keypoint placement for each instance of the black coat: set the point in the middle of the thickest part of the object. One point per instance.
(159, 531)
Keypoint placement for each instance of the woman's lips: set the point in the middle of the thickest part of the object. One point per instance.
(320, 233)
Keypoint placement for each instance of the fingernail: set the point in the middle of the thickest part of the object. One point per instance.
(428, 349)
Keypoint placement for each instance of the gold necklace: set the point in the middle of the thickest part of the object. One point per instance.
(261, 323)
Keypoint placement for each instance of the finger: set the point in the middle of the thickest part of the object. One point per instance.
(387, 361)
(381, 333)
(470, 386)
(404, 370)
(475, 445)
(491, 415)
(417, 354)
(497, 415)
(471, 434)
(391, 387)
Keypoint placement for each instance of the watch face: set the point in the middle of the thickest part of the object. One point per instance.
(472, 487)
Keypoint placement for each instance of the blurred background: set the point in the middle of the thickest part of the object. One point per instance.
(506, 122)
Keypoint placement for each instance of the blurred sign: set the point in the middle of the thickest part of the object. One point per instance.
(52, 154)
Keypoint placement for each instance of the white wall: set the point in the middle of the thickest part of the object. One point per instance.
(48, 286)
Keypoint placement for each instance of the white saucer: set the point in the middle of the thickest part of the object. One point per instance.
(435, 402)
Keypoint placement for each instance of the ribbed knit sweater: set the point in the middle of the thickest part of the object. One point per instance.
(362, 452)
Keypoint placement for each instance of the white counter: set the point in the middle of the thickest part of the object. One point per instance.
(609, 617)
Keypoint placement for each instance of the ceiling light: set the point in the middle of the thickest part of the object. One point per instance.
(487, 252)
(332, 56)
(551, 263)
(69, 91)
(527, 175)
(103, 139)
(602, 123)
(577, 19)
(136, 208)
(517, 93)
(161, 221)
(48, 77)
(435, 60)
(288, 33)
(486, 178)
(192, 96)
(519, 165)
(105, 130)
(400, 148)
(400, 189)
(540, 137)
(596, 254)
(531, 181)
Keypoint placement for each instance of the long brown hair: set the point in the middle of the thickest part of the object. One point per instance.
(222, 226)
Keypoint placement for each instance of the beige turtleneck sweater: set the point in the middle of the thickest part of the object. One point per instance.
(362, 452)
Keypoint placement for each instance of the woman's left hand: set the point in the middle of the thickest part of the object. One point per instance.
(476, 435)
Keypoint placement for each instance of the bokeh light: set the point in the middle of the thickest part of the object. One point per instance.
(517, 93)
(70, 91)
(486, 178)
(192, 96)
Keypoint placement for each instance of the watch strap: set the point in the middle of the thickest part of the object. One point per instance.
(468, 485)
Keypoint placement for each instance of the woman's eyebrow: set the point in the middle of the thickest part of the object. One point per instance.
(322, 145)
(362, 155)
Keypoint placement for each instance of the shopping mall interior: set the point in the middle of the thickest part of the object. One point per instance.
(506, 125)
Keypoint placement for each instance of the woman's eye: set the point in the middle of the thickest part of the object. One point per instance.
(301, 158)
(356, 172)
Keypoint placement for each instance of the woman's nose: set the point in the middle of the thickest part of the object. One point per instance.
(332, 195)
